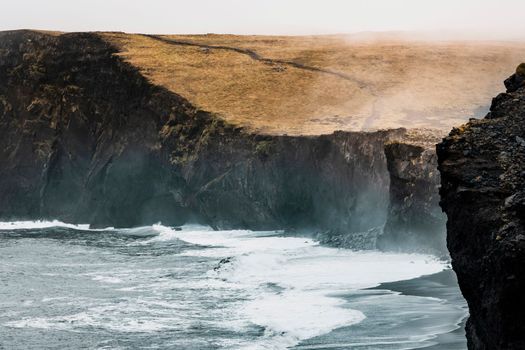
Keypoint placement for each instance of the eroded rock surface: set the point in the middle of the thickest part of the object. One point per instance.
(482, 168)
(415, 221)
(84, 137)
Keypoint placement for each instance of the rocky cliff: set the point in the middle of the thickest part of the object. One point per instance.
(482, 168)
(415, 221)
(84, 137)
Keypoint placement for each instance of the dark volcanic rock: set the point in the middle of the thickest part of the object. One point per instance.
(335, 182)
(79, 134)
(482, 169)
(517, 80)
(84, 137)
(415, 221)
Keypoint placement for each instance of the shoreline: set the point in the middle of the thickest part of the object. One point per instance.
(442, 285)
(383, 329)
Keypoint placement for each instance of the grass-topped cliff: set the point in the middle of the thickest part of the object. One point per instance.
(122, 130)
(300, 85)
(85, 137)
(318, 84)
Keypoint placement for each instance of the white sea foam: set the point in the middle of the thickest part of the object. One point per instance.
(288, 286)
(107, 279)
(293, 281)
(26, 225)
(101, 317)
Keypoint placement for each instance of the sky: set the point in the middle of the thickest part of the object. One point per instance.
(484, 18)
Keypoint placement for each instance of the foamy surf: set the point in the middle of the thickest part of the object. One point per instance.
(293, 281)
(43, 224)
(243, 289)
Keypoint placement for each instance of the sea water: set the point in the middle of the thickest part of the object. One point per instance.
(65, 286)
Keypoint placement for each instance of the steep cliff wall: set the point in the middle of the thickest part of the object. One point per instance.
(332, 182)
(79, 132)
(84, 137)
(482, 168)
(415, 221)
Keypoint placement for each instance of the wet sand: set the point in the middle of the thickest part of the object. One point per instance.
(430, 314)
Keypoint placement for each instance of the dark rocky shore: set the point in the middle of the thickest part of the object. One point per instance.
(85, 137)
(482, 168)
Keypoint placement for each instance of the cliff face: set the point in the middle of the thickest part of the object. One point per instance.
(415, 220)
(483, 194)
(333, 182)
(84, 137)
(79, 132)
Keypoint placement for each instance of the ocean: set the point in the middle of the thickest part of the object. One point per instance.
(67, 286)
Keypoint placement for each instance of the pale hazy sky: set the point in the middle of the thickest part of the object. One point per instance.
(488, 18)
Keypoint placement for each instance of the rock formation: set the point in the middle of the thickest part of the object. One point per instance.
(482, 168)
(415, 221)
(86, 138)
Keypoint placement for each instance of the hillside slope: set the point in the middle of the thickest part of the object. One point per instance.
(315, 85)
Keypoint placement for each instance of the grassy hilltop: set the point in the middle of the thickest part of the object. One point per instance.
(318, 84)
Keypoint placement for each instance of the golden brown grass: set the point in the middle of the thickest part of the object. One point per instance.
(404, 83)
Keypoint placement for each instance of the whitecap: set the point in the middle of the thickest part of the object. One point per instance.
(40, 224)
(292, 282)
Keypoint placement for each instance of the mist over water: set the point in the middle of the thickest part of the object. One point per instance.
(157, 287)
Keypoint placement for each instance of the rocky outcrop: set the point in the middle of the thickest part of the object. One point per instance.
(331, 182)
(482, 168)
(79, 133)
(84, 137)
(415, 221)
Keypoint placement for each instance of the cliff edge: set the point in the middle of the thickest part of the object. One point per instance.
(86, 138)
(482, 167)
